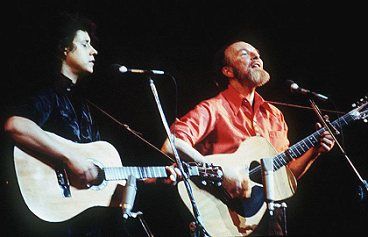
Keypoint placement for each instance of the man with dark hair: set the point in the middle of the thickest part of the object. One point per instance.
(61, 109)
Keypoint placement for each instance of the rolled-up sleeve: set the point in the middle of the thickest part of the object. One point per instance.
(194, 126)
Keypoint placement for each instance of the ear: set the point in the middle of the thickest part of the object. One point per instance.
(227, 71)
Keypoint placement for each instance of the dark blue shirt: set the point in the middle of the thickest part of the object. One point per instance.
(61, 109)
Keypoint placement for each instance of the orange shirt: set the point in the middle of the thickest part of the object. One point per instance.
(220, 124)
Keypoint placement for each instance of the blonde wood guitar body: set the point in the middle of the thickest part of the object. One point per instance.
(219, 219)
(43, 192)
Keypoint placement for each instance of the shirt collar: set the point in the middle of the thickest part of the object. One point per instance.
(236, 100)
(65, 85)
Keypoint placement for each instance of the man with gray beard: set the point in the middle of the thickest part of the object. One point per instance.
(220, 124)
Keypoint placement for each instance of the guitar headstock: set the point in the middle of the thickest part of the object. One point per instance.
(360, 111)
(209, 172)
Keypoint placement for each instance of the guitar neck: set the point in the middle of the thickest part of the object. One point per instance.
(304, 145)
(120, 173)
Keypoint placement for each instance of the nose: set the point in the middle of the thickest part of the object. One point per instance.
(93, 51)
(255, 56)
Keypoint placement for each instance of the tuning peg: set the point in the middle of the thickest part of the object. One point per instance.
(360, 102)
(204, 182)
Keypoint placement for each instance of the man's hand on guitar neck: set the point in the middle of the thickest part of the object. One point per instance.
(326, 141)
(87, 173)
(235, 183)
(173, 176)
(300, 166)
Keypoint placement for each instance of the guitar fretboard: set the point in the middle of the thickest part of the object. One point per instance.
(304, 145)
(119, 173)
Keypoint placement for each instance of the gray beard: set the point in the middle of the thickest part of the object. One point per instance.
(255, 78)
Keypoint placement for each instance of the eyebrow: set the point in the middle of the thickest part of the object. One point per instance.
(86, 41)
(248, 51)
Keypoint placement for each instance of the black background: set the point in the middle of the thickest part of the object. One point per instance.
(319, 46)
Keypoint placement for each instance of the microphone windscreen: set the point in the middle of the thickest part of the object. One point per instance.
(291, 85)
(118, 68)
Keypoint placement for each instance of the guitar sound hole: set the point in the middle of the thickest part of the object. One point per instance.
(250, 206)
(255, 173)
(244, 207)
(100, 177)
(100, 183)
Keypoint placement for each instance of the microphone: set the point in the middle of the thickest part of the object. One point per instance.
(268, 181)
(124, 69)
(296, 89)
(128, 197)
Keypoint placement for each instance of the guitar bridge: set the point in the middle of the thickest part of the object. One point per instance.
(63, 181)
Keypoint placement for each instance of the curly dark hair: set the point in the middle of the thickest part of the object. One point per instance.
(67, 24)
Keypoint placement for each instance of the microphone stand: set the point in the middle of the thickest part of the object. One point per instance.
(268, 188)
(128, 198)
(363, 188)
(199, 230)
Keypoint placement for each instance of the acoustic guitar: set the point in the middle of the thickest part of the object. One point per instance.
(53, 194)
(223, 216)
